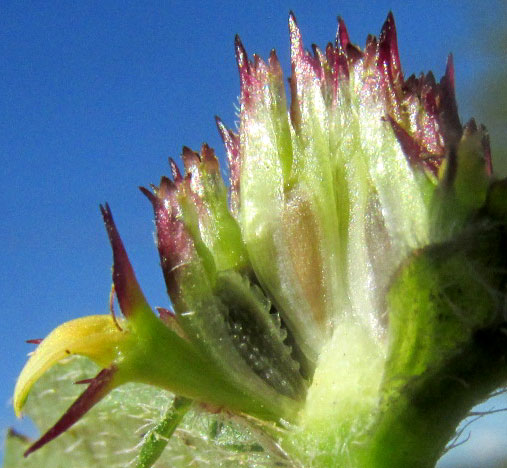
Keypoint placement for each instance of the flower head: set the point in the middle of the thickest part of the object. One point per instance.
(351, 264)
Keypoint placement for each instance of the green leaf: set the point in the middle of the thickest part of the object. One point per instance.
(111, 434)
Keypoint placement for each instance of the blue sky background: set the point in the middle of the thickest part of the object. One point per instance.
(95, 96)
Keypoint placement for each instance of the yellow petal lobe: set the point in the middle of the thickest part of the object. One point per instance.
(96, 337)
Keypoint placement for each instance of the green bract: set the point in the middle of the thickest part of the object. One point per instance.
(343, 297)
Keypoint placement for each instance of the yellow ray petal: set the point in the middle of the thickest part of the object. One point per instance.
(94, 336)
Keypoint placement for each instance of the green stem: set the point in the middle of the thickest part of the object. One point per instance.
(414, 428)
(156, 440)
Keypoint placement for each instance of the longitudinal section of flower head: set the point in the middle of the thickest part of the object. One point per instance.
(287, 209)
(217, 302)
(192, 354)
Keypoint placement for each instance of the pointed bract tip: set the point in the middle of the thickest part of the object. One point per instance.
(222, 129)
(449, 71)
(353, 53)
(388, 50)
(128, 291)
(293, 26)
(225, 133)
(241, 55)
(175, 171)
(296, 41)
(208, 155)
(166, 187)
(107, 216)
(388, 31)
(342, 36)
(35, 341)
(99, 387)
(190, 158)
(149, 195)
(370, 49)
(273, 61)
(470, 127)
